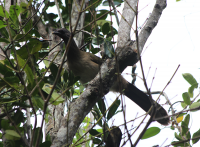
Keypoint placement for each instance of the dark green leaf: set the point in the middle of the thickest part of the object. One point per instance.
(45, 144)
(178, 137)
(186, 98)
(54, 70)
(27, 69)
(96, 141)
(187, 119)
(36, 135)
(21, 104)
(113, 109)
(5, 124)
(11, 135)
(32, 47)
(65, 76)
(106, 28)
(18, 117)
(38, 102)
(95, 50)
(4, 32)
(4, 40)
(97, 41)
(102, 106)
(116, 2)
(108, 48)
(10, 81)
(150, 132)
(197, 136)
(94, 132)
(97, 115)
(177, 144)
(101, 13)
(184, 128)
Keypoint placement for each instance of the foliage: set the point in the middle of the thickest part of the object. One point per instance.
(25, 85)
(193, 104)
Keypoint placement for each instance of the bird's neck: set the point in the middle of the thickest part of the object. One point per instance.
(73, 52)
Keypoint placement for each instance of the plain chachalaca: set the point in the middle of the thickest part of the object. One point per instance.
(86, 66)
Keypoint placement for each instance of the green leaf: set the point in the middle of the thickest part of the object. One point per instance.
(178, 137)
(4, 32)
(177, 144)
(98, 40)
(113, 109)
(96, 113)
(18, 117)
(5, 124)
(23, 7)
(27, 69)
(55, 97)
(191, 89)
(102, 22)
(196, 135)
(38, 102)
(187, 119)
(190, 79)
(102, 12)
(96, 141)
(32, 47)
(2, 12)
(106, 28)
(54, 70)
(3, 39)
(22, 37)
(14, 11)
(116, 2)
(194, 105)
(10, 81)
(36, 135)
(108, 48)
(184, 128)
(2, 24)
(95, 50)
(13, 133)
(94, 132)
(186, 98)
(102, 106)
(183, 104)
(21, 104)
(150, 132)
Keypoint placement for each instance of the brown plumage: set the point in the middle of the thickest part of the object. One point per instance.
(86, 66)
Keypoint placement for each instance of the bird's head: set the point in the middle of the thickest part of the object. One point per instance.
(63, 33)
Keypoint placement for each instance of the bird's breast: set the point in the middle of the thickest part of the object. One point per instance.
(83, 68)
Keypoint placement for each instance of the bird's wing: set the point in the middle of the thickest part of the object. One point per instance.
(96, 59)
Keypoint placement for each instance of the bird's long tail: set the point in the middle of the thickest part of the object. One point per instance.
(143, 100)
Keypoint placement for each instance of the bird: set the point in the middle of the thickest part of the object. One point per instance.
(87, 65)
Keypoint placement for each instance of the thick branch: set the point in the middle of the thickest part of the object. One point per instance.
(151, 23)
(126, 22)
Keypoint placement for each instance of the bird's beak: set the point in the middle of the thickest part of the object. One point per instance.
(56, 33)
